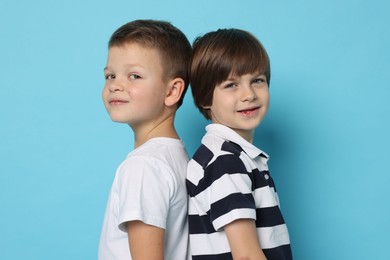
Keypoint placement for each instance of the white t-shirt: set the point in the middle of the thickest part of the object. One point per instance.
(149, 186)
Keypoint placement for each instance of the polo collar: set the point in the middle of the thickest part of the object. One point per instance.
(228, 134)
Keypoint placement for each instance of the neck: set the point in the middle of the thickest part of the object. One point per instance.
(163, 128)
(246, 134)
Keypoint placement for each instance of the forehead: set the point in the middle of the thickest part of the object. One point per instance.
(134, 54)
(133, 49)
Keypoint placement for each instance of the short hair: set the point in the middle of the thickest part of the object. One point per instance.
(218, 54)
(171, 43)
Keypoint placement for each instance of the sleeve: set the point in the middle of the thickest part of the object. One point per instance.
(145, 191)
(230, 191)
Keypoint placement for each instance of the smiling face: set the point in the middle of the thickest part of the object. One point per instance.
(241, 103)
(134, 91)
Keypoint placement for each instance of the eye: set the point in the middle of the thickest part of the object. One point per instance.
(109, 76)
(259, 80)
(230, 85)
(134, 76)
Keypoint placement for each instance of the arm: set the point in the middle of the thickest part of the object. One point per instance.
(243, 240)
(146, 242)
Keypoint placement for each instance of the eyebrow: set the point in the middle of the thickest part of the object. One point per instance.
(127, 66)
(254, 74)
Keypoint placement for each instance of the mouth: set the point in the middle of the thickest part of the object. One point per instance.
(249, 111)
(117, 101)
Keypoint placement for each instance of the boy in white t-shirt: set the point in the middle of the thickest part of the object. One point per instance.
(146, 80)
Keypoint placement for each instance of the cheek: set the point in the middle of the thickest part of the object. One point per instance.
(221, 100)
(265, 97)
(104, 93)
(268, 99)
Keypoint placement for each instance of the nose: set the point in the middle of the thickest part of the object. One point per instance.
(115, 85)
(248, 94)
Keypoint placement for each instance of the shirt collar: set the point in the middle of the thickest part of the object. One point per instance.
(228, 134)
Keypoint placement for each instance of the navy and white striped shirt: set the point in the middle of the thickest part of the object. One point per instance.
(227, 180)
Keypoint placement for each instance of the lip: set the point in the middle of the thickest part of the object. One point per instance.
(249, 111)
(117, 101)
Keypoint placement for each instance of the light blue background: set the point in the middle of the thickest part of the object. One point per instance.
(327, 131)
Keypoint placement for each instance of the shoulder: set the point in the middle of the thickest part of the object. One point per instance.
(165, 163)
(217, 152)
(210, 163)
(160, 151)
(139, 169)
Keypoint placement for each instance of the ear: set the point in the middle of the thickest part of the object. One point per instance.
(174, 91)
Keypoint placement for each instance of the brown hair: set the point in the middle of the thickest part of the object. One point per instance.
(169, 41)
(217, 55)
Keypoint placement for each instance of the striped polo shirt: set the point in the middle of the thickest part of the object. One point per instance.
(227, 180)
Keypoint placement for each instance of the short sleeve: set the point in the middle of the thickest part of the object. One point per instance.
(145, 188)
(230, 194)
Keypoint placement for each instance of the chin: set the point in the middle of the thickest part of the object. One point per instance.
(118, 119)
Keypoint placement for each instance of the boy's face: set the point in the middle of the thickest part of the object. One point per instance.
(134, 90)
(241, 103)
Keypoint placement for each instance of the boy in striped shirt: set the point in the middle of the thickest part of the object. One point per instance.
(233, 208)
